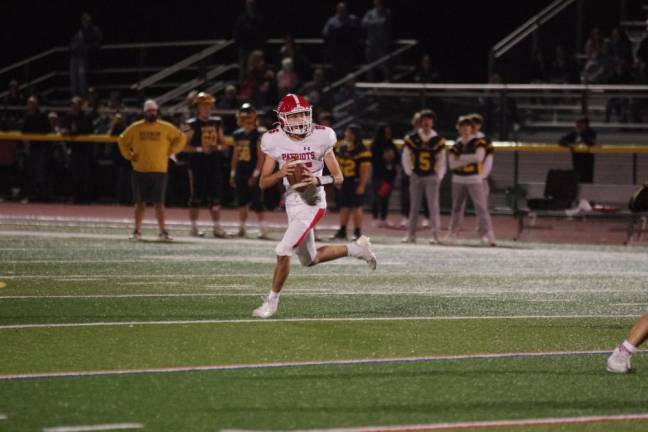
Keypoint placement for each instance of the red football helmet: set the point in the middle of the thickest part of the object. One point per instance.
(295, 114)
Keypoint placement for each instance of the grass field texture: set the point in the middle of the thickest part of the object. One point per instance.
(100, 332)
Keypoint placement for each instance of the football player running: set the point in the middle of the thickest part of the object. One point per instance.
(297, 138)
(619, 360)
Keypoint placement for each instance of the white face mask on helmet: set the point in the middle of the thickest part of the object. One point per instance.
(289, 110)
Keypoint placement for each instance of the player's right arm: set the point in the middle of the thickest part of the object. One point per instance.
(126, 145)
(269, 177)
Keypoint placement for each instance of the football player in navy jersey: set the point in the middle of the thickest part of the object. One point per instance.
(247, 160)
(207, 158)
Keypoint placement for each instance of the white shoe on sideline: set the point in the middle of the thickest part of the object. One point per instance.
(267, 308)
(489, 240)
(366, 254)
(408, 239)
(196, 233)
(619, 361)
(434, 240)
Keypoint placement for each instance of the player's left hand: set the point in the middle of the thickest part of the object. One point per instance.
(360, 190)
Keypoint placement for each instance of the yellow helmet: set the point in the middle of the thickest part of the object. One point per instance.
(203, 98)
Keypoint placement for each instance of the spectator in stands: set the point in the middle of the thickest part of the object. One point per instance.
(593, 45)
(290, 49)
(258, 87)
(83, 44)
(621, 47)
(54, 122)
(427, 72)
(384, 167)
(229, 101)
(313, 89)
(563, 68)
(582, 135)
(147, 144)
(619, 105)
(77, 122)
(598, 58)
(341, 33)
(10, 118)
(249, 34)
(287, 78)
(35, 121)
(377, 22)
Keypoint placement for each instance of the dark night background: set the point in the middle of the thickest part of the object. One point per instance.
(457, 33)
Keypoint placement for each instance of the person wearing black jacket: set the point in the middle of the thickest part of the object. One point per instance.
(35, 121)
(78, 122)
(249, 34)
(384, 163)
(583, 162)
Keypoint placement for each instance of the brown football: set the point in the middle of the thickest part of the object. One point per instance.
(298, 175)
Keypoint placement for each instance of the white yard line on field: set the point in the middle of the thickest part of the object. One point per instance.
(100, 427)
(476, 424)
(299, 320)
(362, 361)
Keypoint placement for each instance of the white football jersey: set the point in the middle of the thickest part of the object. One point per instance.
(280, 147)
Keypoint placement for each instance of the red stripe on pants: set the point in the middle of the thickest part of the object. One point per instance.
(318, 216)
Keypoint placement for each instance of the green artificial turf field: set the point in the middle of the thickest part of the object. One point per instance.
(99, 332)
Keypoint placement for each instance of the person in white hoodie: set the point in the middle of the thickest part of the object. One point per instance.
(466, 161)
(424, 161)
(487, 166)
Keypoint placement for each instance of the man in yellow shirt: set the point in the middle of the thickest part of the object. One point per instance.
(148, 144)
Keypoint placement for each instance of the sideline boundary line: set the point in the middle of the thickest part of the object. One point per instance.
(364, 361)
(99, 427)
(477, 424)
(290, 320)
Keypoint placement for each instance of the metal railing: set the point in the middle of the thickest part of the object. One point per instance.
(520, 33)
(546, 106)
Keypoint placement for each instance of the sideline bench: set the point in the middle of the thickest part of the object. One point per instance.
(611, 201)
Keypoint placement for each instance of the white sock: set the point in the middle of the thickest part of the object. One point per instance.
(353, 250)
(273, 295)
(627, 346)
